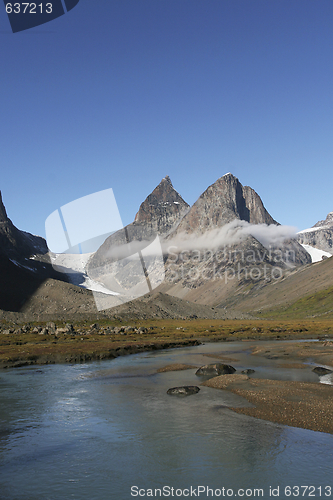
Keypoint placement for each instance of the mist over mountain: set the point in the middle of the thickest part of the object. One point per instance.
(226, 231)
(224, 246)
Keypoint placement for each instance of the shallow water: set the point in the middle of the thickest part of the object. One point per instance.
(92, 431)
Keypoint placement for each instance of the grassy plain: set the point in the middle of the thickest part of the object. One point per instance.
(89, 342)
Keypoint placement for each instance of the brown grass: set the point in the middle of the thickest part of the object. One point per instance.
(34, 348)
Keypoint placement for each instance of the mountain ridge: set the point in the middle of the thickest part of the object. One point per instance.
(222, 202)
(319, 236)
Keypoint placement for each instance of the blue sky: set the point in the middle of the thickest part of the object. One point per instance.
(121, 93)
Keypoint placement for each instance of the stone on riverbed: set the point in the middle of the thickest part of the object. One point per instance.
(186, 390)
(215, 369)
(248, 371)
(319, 370)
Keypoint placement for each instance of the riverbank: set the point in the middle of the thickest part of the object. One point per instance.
(306, 405)
(57, 342)
(296, 404)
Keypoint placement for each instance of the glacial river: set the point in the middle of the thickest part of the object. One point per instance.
(108, 430)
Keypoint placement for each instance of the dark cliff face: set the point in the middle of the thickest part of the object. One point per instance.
(223, 202)
(162, 209)
(3, 214)
(15, 243)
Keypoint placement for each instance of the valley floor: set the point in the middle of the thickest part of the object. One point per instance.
(297, 404)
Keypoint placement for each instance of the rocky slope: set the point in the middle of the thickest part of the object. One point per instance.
(24, 264)
(18, 244)
(320, 235)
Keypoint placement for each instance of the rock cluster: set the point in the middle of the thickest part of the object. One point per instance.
(69, 329)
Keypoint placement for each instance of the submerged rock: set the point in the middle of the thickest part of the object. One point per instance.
(248, 371)
(215, 369)
(319, 370)
(186, 390)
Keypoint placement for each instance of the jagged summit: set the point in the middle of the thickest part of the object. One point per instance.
(162, 207)
(15, 243)
(158, 214)
(167, 179)
(3, 213)
(328, 222)
(222, 202)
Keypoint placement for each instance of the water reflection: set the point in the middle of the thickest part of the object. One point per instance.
(91, 431)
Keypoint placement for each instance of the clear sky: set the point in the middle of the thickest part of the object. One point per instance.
(120, 93)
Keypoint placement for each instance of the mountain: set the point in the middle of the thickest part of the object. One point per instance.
(205, 247)
(161, 210)
(24, 264)
(158, 214)
(307, 292)
(222, 223)
(319, 236)
(223, 202)
(18, 244)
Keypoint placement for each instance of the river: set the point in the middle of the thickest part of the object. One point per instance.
(108, 430)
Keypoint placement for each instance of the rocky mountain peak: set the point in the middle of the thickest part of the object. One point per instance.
(162, 207)
(328, 222)
(15, 243)
(3, 213)
(222, 202)
(159, 214)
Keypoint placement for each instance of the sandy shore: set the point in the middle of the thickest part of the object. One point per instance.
(175, 367)
(296, 353)
(297, 404)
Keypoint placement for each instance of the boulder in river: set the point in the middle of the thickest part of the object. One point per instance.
(215, 369)
(319, 370)
(186, 390)
(248, 371)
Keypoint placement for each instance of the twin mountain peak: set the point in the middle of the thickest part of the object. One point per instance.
(222, 202)
(166, 213)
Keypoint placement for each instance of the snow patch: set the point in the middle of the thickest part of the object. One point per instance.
(311, 229)
(315, 253)
(74, 266)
